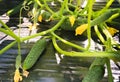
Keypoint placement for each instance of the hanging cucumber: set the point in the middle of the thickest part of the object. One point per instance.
(34, 54)
(48, 54)
(96, 71)
(67, 25)
(14, 10)
(104, 17)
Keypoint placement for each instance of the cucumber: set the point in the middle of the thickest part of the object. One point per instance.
(34, 53)
(95, 74)
(67, 25)
(48, 54)
(14, 10)
(103, 17)
(46, 16)
(96, 71)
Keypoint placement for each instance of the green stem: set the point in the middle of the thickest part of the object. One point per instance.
(63, 4)
(106, 7)
(67, 42)
(47, 7)
(113, 17)
(99, 34)
(39, 3)
(9, 30)
(10, 34)
(5, 26)
(89, 22)
(7, 47)
(106, 32)
(14, 10)
(18, 58)
(78, 5)
(110, 77)
(85, 54)
(45, 32)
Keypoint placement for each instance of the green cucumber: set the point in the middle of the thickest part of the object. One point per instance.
(95, 74)
(103, 17)
(34, 53)
(96, 71)
(14, 10)
(48, 54)
(67, 25)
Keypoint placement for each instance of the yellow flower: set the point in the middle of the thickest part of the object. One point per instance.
(112, 31)
(72, 20)
(32, 27)
(40, 18)
(80, 29)
(17, 76)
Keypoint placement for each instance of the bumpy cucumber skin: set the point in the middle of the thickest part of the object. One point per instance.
(34, 53)
(95, 74)
(96, 71)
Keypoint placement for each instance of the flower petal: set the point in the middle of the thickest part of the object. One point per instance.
(72, 20)
(40, 18)
(112, 31)
(17, 76)
(80, 29)
(25, 73)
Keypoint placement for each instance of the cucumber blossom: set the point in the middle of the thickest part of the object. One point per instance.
(34, 53)
(67, 25)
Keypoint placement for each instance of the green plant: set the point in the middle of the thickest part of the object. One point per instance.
(71, 15)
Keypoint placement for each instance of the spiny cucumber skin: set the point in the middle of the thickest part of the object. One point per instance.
(34, 54)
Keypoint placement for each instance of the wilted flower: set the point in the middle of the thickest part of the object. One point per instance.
(17, 76)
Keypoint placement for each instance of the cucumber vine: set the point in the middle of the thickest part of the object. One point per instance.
(97, 20)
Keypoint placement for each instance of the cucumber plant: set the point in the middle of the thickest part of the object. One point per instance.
(61, 17)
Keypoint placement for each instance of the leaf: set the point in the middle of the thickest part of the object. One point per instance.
(112, 31)
(80, 29)
(72, 20)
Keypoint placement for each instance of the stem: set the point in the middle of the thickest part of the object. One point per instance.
(47, 7)
(7, 47)
(89, 24)
(106, 7)
(78, 5)
(45, 32)
(106, 32)
(18, 58)
(14, 10)
(10, 34)
(35, 12)
(5, 26)
(67, 42)
(67, 8)
(110, 77)
(113, 17)
(99, 34)
(85, 54)
(63, 4)
(39, 3)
